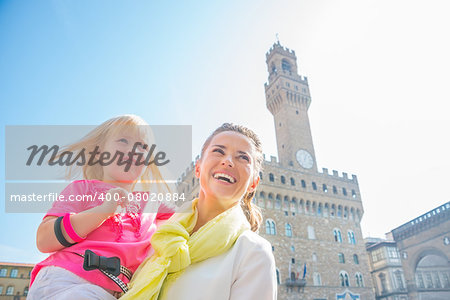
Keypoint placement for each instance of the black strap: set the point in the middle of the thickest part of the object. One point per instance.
(59, 235)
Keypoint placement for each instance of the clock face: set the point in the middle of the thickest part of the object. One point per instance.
(305, 159)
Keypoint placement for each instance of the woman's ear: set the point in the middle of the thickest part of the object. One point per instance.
(197, 168)
(253, 185)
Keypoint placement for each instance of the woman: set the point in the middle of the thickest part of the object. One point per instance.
(209, 250)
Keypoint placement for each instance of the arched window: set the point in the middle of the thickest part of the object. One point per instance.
(341, 258)
(3, 272)
(294, 205)
(344, 191)
(355, 259)
(314, 185)
(334, 189)
(262, 197)
(283, 179)
(278, 277)
(261, 175)
(278, 202)
(316, 279)
(271, 178)
(353, 194)
(10, 290)
(324, 188)
(337, 235)
(319, 209)
(286, 203)
(333, 210)
(1, 289)
(351, 237)
(314, 256)
(343, 276)
(270, 227)
(339, 212)
(303, 184)
(398, 279)
(288, 230)
(359, 280)
(25, 291)
(270, 201)
(292, 181)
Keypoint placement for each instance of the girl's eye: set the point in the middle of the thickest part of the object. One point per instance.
(218, 150)
(123, 140)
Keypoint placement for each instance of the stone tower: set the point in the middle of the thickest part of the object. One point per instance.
(288, 99)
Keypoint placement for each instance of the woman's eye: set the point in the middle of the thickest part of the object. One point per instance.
(245, 157)
(123, 140)
(218, 150)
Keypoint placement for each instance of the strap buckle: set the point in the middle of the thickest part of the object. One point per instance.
(93, 261)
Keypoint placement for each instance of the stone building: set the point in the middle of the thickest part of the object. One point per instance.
(424, 245)
(386, 269)
(14, 280)
(311, 217)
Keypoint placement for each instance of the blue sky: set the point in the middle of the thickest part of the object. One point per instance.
(377, 72)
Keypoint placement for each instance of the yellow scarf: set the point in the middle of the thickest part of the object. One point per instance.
(175, 249)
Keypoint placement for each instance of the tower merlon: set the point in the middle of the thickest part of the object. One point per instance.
(335, 174)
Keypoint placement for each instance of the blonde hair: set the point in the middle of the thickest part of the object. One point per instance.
(98, 137)
(251, 210)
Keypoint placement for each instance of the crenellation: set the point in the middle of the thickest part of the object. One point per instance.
(335, 173)
(325, 171)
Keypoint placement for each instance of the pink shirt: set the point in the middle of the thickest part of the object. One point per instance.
(120, 235)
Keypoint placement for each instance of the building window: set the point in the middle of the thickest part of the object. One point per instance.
(261, 175)
(383, 282)
(319, 209)
(399, 279)
(270, 227)
(288, 230)
(292, 181)
(316, 279)
(324, 188)
(303, 184)
(278, 277)
(341, 258)
(10, 290)
(193, 182)
(3, 272)
(344, 191)
(25, 291)
(343, 276)
(351, 237)
(271, 178)
(339, 212)
(283, 179)
(292, 248)
(278, 202)
(14, 273)
(355, 259)
(353, 194)
(285, 65)
(314, 257)
(334, 189)
(1, 289)
(314, 186)
(311, 233)
(419, 280)
(359, 280)
(378, 255)
(393, 252)
(293, 260)
(337, 235)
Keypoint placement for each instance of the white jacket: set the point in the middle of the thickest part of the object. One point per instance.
(246, 271)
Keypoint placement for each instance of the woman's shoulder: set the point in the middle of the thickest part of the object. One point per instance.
(252, 242)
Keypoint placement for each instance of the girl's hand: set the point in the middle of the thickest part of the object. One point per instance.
(115, 200)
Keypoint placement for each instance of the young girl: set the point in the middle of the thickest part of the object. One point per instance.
(107, 228)
(210, 249)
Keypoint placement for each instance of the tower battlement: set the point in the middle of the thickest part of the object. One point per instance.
(278, 48)
(273, 162)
